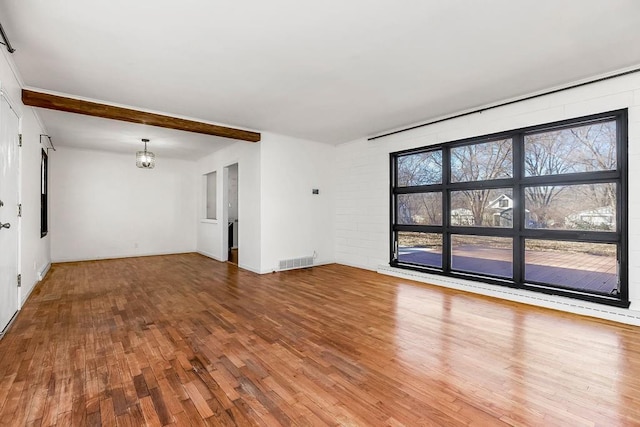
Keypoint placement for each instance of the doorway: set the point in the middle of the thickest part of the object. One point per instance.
(9, 236)
(230, 189)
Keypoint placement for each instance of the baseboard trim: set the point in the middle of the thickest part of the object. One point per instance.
(23, 299)
(355, 265)
(210, 255)
(251, 269)
(43, 273)
(10, 324)
(242, 266)
(554, 302)
(120, 256)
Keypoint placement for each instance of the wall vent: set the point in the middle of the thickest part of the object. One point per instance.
(290, 264)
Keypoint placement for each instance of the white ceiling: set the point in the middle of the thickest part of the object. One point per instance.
(92, 133)
(329, 71)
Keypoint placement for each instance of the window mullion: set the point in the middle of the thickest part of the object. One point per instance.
(622, 216)
(519, 214)
(393, 211)
(446, 209)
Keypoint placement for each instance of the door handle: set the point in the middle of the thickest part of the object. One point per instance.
(5, 225)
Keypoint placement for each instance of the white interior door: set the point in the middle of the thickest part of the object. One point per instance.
(8, 213)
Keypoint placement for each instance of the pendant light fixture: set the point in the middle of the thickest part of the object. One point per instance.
(145, 159)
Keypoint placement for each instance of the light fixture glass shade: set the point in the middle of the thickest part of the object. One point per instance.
(145, 159)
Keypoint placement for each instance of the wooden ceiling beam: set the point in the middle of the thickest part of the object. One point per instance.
(95, 109)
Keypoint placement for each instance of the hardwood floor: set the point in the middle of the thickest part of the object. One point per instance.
(233, 256)
(185, 340)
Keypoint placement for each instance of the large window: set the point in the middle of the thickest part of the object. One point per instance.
(541, 208)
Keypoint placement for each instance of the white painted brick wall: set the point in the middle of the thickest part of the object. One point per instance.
(362, 194)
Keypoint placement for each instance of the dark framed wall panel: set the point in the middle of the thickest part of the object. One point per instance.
(542, 208)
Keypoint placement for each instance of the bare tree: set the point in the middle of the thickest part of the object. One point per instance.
(420, 208)
(414, 170)
(430, 209)
(576, 150)
(579, 149)
(477, 162)
(598, 152)
(545, 154)
(420, 169)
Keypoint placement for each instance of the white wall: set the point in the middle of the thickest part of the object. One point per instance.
(362, 204)
(278, 216)
(295, 222)
(34, 251)
(211, 233)
(362, 198)
(103, 206)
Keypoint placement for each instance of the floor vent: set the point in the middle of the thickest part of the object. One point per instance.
(290, 264)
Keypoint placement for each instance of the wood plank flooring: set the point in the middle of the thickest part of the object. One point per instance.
(184, 340)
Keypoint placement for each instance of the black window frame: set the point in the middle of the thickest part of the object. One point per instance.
(44, 178)
(519, 232)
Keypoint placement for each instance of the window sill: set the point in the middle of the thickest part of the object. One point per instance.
(209, 221)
